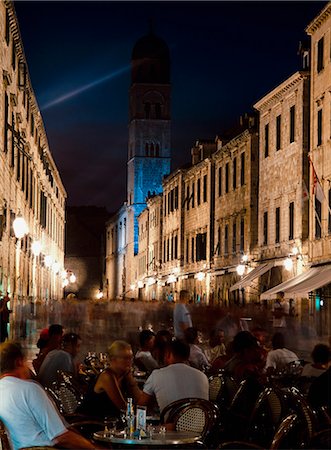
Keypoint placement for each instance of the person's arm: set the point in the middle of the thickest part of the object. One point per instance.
(133, 387)
(107, 382)
(72, 440)
(144, 399)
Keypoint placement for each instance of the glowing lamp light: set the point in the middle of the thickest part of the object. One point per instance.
(240, 270)
(36, 248)
(56, 267)
(140, 284)
(99, 295)
(200, 276)
(64, 274)
(151, 281)
(244, 258)
(172, 279)
(288, 264)
(20, 227)
(65, 283)
(295, 251)
(72, 278)
(48, 261)
(176, 270)
(132, 287)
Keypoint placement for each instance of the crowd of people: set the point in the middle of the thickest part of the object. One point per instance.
(176, 367)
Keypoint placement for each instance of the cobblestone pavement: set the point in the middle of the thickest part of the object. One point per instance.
(100, 323)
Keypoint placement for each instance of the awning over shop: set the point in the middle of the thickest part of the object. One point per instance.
(302, 284)
(255, 273)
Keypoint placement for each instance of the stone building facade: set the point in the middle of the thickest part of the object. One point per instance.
(283, 179)
(30, 184)
(236, 193)
(319, 31)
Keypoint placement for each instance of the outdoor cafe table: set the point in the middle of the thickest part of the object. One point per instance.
(169, 438)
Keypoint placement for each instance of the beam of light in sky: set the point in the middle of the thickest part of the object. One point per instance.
(84, 88)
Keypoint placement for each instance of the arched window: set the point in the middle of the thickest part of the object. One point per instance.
(152, 150)
(146, 149)
(157, 150)
(147, 110)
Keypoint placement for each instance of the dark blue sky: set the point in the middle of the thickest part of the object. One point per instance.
(224, 56)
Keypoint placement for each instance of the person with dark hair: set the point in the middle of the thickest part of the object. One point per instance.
(60, 359)
(319, 391)
(321, 356)
(4, 317)
(216, 345)
(54, 337)
(176, 381)
(247, 359)
(279, 356)
(25, 409)
(144, 359)
(197, 358)
(162, 339)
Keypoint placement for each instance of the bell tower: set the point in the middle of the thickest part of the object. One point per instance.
(149, 125)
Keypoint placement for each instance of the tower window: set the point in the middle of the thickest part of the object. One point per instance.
(227, 178)
(291, 221)
(242, 167)
(265, 228)
(234, 174)
(226, 240)
(198, 191)
(277, 237)
(219, 181)
(205, 188)
(147, 110)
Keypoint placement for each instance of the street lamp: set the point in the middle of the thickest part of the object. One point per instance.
(288, 264)
(21, 229)
(72, 278)
(240, 269)
(36, 248)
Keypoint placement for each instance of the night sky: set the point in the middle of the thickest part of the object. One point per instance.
(225, 56)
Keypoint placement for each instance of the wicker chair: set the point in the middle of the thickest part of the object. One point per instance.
(193, 414)
(269, 410)
(67, 400)
(284, 437)
(306, 415)
(321, 440)
(4, 441)
(222, 389)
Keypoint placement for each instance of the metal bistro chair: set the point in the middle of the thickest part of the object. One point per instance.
(193, 414)
(222, 389)
(66, 398)
(269, 411)
(4, 440)
(284, 437)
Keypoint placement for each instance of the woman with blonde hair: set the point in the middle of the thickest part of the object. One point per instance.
(108, 395)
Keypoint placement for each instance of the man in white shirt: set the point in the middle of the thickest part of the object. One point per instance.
(176, 381)
(25, 409)
(280, 356)
(182, 316)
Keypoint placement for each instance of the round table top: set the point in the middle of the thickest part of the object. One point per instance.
(169, 438)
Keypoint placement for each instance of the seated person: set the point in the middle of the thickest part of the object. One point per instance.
(321, 356)
(162, 340)
(48, 342)
(319, 392)
(261, 335)
(107, 396)
(60, 359)
(176, 381)
(144, 358)
(247, 359)
(25, 409)
(197, 358)
(216, 345)
(279, 357)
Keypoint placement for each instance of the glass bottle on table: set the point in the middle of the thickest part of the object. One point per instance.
(129, 418)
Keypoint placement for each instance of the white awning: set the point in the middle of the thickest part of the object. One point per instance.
(255, 273)
(301, 285)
